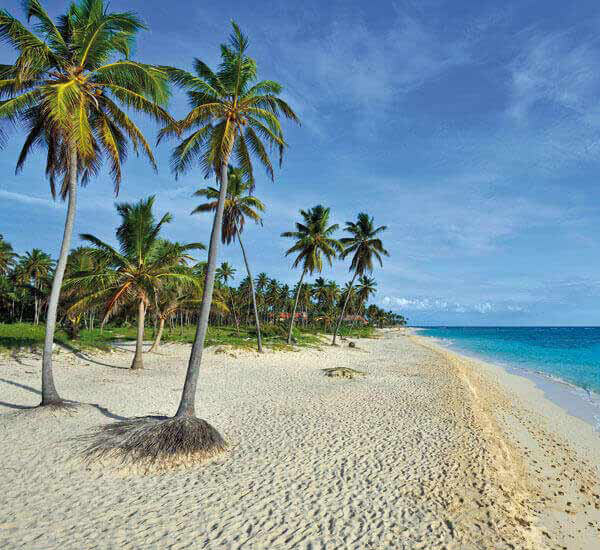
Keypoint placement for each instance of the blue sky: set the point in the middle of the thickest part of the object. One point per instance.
(471, 129)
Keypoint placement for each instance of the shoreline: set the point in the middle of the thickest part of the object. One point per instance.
(549, 440)
(429, 449)
(575, 400)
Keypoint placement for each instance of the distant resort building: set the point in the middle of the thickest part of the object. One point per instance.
(300, 315)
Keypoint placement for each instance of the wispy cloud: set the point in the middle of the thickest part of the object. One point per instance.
(559, 68)
(353, 63)
(28, 199)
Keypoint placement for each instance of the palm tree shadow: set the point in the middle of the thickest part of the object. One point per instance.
(81, 355)
(99, 408)
(15, 406)
(22, 386)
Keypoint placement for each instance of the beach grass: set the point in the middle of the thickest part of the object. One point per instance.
(30, 337)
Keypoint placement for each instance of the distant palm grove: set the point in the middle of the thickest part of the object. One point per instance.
(75, 91)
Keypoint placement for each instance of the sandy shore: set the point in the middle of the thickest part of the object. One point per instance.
(428, 450)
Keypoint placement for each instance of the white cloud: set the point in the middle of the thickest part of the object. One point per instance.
(559, 68)
(448, 306)
(28, 199)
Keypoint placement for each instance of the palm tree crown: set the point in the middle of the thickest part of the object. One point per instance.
(239, 204)
(363, 244)
(314, 240)
(36, 264)
(225, 272)
(231, 113)
(68, 81)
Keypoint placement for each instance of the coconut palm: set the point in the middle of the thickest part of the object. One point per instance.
(319, 291)
(137, 271)
(367, 286)
(364, 245)
(313, 241)
(65, 89)
(7, 256)
(333, 294)
(79, 261)
(225, 272)
(35, 268)
(261, 282)
(239, 205)
(272, 297)
(232, 114)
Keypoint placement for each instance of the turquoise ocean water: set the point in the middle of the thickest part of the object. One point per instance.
(567, 355)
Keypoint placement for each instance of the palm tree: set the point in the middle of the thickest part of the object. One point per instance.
(79, 261)
(231, 114)
(261, 282)
(363, 244)
(367, 286)
(313, 241)
(272, 296)
(319, 290)
(35, 268)
(7, 256)
(225, 272)
(65, 89)
(239, 205)
(136, 272)
(333, 294)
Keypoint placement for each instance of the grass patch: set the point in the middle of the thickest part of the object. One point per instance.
(29, 337)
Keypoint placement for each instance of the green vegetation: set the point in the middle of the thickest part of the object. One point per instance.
(30, 337)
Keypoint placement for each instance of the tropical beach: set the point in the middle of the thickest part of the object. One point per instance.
(427, 450)
(299, 275)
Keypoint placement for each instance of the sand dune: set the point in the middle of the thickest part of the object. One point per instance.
(428, 450)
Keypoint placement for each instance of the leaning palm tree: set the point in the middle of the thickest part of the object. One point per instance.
(313, 241)
(363, 244)
(231, 114)
(136, 272)
(66, 89)
(239, 205)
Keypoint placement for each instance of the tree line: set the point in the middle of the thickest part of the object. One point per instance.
(149, 274)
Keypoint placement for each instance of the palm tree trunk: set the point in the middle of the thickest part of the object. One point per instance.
(337, 326)
(256, 320)
(157, 339)
(36, 310)
(138, 362)
(188, 396)
(289, 338)
(49, 394)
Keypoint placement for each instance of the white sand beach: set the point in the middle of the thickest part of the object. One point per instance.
(428, 450)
